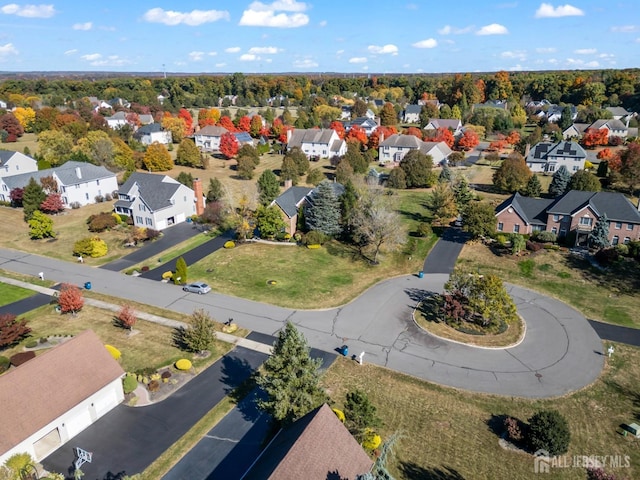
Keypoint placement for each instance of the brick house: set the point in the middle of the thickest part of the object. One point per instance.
(574, 213)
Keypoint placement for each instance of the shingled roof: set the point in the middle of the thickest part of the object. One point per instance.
(316, 135)
(290, 199)
(67, 174)
(317, 446)
(615, 205)
(401, 141)
(531, 210)
(212, 131)
(155, 190)
(44, 388)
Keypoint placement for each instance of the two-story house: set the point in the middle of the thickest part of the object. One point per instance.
(411, 114)
(15, 163)
(152, 133)
(575, 212)
(547, 157)
(208, 138)
(117, 120)
(615, 127)
(394, 148)
(158, 201)
(367, 124)
(317, 143)
(453, 124)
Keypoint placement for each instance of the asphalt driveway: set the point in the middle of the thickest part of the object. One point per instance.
(444, 254)
(129, 439)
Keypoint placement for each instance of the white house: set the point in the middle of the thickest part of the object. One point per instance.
(453, 124)
(394, 148)
(77, 182)
(574, 131)
(548, 157)
(152, 133)
(317, 143)
(15, 163)
(117, 120)
(411, 114)
(439, 151)
(158, 201)
(208, 138)
(367, 124)
(51, 398)
(615, 127)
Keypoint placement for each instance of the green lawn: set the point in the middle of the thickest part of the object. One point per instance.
(10, 294)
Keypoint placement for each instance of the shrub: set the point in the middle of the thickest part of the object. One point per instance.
(115, 353)
(145, 268)
(5, 363)
(22, 357)
(17, 462)
(90, 247)
(501, 239)
(545, 236)
(108, 197)
(101, 222)
(123, 218)
(622, 249)
(424, 229)
(229, 244)
(314, 246)
(512, 425)
(549, 430)
(339, 414)
(70, 298)
(99, 198)
(534, 246)
(75, 205)
(153, 386)
(31, 344)
(127, 317)
(607, 256)
(167, 275)
(152, 234)
(371, 440)
(129, 383)
(183, 364)
(166, 374)
(12, 329)
(314, 237)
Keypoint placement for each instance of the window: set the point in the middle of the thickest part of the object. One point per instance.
(516, 228)
(86, 196)
(629, 226)
(554, 230)
(615, 240)
(184, 199)
(576, 168)
(626, 240)
(618, 225)
(77, 186)
(139, 220)
(97, 182)
(64, 189)
(586, 221)
(148, 221)
(4, 187)
(563, 232)
(141, 207)
(551, 168)
(500, 226)
(556, 218)
(65, 201)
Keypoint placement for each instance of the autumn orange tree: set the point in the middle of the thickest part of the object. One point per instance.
(357, 133)
(176, 125)
(228, 145)
(185, 115)
(593, 137)
(605, 154)
(415, 131)
(277, 127)
(444, 135)
(127, 317)
(52, 204)
(12, 329)
(255, 128)
(374, 140)
(338, 127)
(157, 158)
(70, 298)
(244, 124)
(469, 140)
(208, 116)
(513, 138)
(227, 123)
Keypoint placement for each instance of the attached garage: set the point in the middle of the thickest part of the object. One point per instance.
(50, 399)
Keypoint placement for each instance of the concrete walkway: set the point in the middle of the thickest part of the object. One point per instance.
(561, 352)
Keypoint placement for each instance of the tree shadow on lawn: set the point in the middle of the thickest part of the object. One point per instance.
(626, 392)
(415, 471)
(239, 376)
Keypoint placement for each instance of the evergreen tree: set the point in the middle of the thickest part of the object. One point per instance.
(289, 170)
(397, 179)
(418, 169)
(360, 414)
(250, 151)
(290, 378)
(462, 193)
(348, 203)
(388, 115)
(446, 176)
(268, 187)
(566, 119)
(245, 167)
(355, 158)
(322, 213)
(533, 188)
(442, 203)
(599, 236)
(185, 178)
(180, 277)
(215, 191)
(585, 181)
(32, 197)
(559, 182)
(344, 172)
(549, 430)
(199, 335)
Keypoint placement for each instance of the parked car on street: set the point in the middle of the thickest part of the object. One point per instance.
(197, 287)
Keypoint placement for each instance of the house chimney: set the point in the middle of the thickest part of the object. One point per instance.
(381, 137)
(197, 192)
(288, 136)
(288, 184)
(78, 172)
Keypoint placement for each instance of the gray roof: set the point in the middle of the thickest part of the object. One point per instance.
(300, 136)
(453, 124)
(338, 190)
(290, 199)
(149, 129)
(66, 173)
(155, 190)
(541, 151)
(413, 109)
(579, 127)
(531, 210)
(5, 156)
(610, 123)
(427, 148)
(360, 121)
(117, 116)
(145, 118)
(212, 131)
(618, 111)
(401, 141)
(615, 205)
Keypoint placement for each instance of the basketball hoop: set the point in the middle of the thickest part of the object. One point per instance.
(82, 457)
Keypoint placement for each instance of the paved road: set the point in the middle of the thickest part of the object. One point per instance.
(170, 237)
(443, 256)
(127, 440)
(615, 333)
(561, 351)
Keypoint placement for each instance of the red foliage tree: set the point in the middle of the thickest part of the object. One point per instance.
(228, 145)
(133, 119)
(594, 137)
(127, 317)
(469, 140)
(277, 127)
(498, 144)
(357, 134)
(282, 138)
(256, 126)
(244, 124)
(227, 123)
(374, 139)
(70, 298)
(513, 138)
(444, 135)
(415, 131)
(10, 124)
(16, 196)
(188, 121)
(52, 204)
(12, 329)
(339, 128)
(605, 154)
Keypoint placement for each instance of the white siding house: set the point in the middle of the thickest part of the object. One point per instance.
(317, 143)
(548, 157)
(152, 133)
(117, 120)
(208, 138)
(15, 163)
(155, 201)
(53, 397)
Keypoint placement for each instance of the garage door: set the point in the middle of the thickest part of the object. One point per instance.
(47, 444)
(78, 423)
(105, 402)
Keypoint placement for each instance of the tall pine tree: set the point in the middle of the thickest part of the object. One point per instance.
(559, 182)
(32, 197)
(533, 188)
(268, 187)
(599, 236)
(323, 210)
(290, 378)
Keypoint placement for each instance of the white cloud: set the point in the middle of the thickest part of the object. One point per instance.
(546, 50)
(493, 29)
(448, 30)
(428, 43)
(592, 64)
(515, 68)
(553, 61)
(30, 11)
(232, 49)
(323, 23)
(193, 18)
(220, 65)
(264, 15)
(585, 51)
(82, 26)
(110, 61)
(249, 57)
(546, 10)
(91, 57)
(358, 60)
(264, 50)
(71, 52)
(339, 52)
(305, 63)
(625, 29)
(8, 49)
(385, 49)
(517, 54)
(196, 56)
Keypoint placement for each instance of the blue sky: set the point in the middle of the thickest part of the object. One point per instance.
(318, 36)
